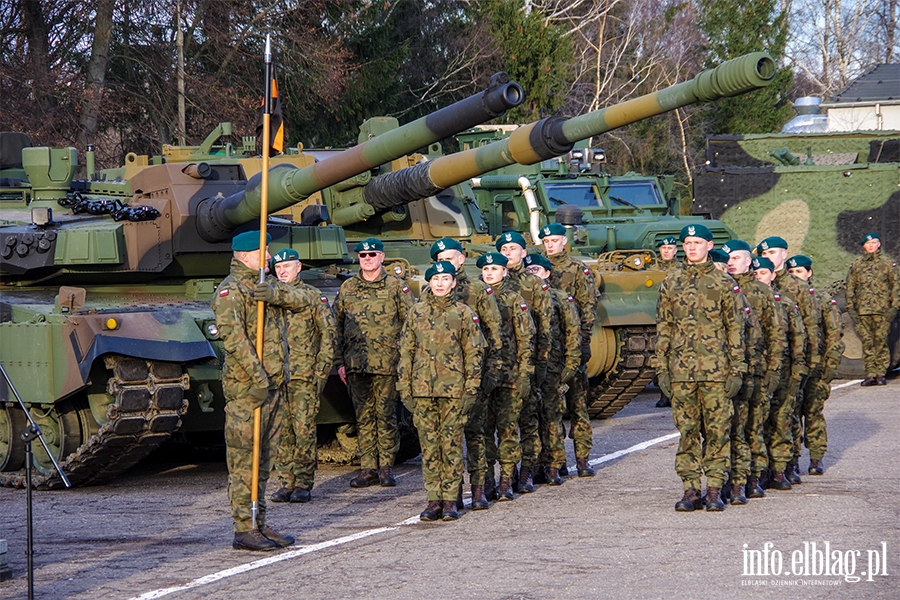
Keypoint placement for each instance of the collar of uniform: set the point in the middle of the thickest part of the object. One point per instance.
(243, 273)
(743, 278)
(461, 276)
(438, 302)
(873, 255)
(703, 267)
(497, 287)
(557, 258)
(375, 281)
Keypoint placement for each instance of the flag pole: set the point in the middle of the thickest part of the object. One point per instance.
(261, 306)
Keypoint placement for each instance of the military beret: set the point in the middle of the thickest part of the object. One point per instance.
(441, 266)
(799, 261)
(761, 262)
(248, 241)
(669, 240)
(369, 244)
(492, 258)
(444, 244)
(285, 255)
(719, 256)
(869, 237)
(539, 260)
(771, 242)
(735, 245)
(697, 230)
(552, 229)
(511, 237)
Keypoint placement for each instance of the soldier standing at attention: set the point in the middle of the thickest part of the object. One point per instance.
(873, 298)
(575, 279)
(311, 338)
(369, 313)
(812, 415)
(701, 364)
(438, 378)
(480, 298)
(250, 383)
(667, 249)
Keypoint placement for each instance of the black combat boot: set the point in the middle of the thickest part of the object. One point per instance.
(663, 402)
(505, 490)
(526, 483)
(490, 488)
(300, 495)
(365, 478)
(737, 495)
(553, 477)
(816, 467)
(449, 510)
(479, 502)
(432, 512)
(584, 469)
(539, 474)
(459, 496)
(564, 470)
(713, 501)
(869, 381)
(252, 540)
(282, 495)
(880, 380)
(792, 473)
(754, 490)
(779, 482)
(386, 477)
(691, 501)
(282, 541)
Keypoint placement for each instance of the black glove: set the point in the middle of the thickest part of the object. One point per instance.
(264, 292)
(664, 381)
(585, 353)
(733, 384)
(408, 402)
(567, 375)
(488, 383)
(540, 375)
(258, 396)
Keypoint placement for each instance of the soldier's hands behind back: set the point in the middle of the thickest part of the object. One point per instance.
(264, 292)
(733, 385)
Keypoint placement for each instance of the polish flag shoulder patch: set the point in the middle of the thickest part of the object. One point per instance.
(223, 293)
(475, 318)
(736, 289)
(545, 287)
(523, 306)
(405, 289)
(489, 290)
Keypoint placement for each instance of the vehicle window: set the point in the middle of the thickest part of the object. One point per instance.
(579, 194)
(635, 192)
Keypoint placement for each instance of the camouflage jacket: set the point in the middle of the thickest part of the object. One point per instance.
(565, 349)
(517, 333)
(699, 325)
(369, 316)
(536, 294)
(311, 337)
(669, 266)
(804, 297)
(832, 330)
(441, 350)
(873, 285)
(771, 320)
(795, 334)
(575, 279)
(754, 340)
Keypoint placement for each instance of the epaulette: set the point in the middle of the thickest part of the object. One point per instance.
(489, 290)
(523, 306)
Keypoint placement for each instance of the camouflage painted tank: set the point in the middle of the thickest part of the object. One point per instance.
(104, 304)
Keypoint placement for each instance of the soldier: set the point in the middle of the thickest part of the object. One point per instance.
(438, 378)
(565, 357)
(668, 248)
(700, 366)
(369, 313)
(250, 383)
(574, 278)
(311, 339)
(480, 298)
(873, 298)
(812, 415)
(517, 332)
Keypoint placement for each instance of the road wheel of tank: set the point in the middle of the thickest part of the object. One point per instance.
(61, 426)
(12, 448)
(611, 389)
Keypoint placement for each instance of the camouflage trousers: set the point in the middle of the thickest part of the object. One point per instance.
(873, 333)
(503, 410)
(740, 416)
(295, 464)
(529, 427)
(476, 462)
(440, 423)
(814, 434)
(702, 414)
(778, 433)
(375, 403)
(553, 433)
(755, 432)
(579, 422)
(239, 453)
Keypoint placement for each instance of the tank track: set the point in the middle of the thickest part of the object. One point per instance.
(629, 376)
(148, 401)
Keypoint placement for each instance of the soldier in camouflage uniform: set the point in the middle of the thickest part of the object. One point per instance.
(565, 358)
(873, 298)
(574, 278)
(480, 298)
(250, 383)
(438, 378)
(668, 262)
(517, 333)
(369, 313)
(311, 338)
(812, 411)
(700, 358)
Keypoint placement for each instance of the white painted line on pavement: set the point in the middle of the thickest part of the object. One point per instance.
(635, 448)
(848, 384)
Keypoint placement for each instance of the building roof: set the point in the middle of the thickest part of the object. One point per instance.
(880, 83)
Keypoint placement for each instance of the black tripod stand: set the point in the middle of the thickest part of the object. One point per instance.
(28, 435)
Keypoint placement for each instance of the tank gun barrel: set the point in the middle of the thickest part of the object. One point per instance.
(218, 217)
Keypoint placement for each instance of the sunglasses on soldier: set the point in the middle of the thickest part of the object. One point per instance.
(367, 254)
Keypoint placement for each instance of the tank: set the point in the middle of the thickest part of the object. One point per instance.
(104, 302)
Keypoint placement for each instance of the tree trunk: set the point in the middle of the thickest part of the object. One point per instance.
(96, 74)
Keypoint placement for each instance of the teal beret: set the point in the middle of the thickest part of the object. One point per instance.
(799, 261)
(441, 266)
(285, 255)
(444, 244)
(369, 244)
(667, 241)
(735, 245)
(492, 258)
(761, 262)
(869, 237)
(552, 229)
(248, 241)
(697, 230)
(511, 237)
(539, 260)
(771, 242)
(719, 256)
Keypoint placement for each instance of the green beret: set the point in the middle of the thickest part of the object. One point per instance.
(799, 261)
(511, 237)
(719, 256)
(761, 262)
(869, 237)
(285, 255)
(441, 266)
(735, 245)
(492, 258)
(539, 260)
(667, 241)
(369, 244)
(552, 229)
(248, 241)
(444, 244)
(771, 242)
(697, 230)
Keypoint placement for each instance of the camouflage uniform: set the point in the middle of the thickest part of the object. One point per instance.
(699, 346)
(754, 352)
(669, 266)
(438, 377)
(873, 292)
(311, 338)
(793, 370)
(369, 316)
